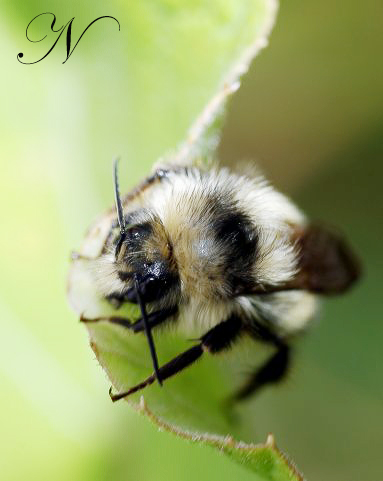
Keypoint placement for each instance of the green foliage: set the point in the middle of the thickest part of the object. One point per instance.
(168, 61)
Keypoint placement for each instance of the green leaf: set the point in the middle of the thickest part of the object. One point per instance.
(264, 459)
(145, 85)
(192, 404)
(184, 55)
(243, 44)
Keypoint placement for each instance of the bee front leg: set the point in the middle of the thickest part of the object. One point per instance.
(117, 299)
(154, 319)
(217, 339)
(121, 321)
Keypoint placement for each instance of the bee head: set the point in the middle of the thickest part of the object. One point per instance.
(143, 253)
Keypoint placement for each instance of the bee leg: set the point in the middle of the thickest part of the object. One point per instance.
(121, 321)
(272, 371)
(117, 299)
(154, 319)
(217, 339)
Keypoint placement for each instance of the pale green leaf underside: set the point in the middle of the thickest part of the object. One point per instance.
(180, 55)
(246, 33)
(169, 60)
(191, 404)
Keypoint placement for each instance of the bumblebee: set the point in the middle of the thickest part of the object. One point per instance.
(222, 253)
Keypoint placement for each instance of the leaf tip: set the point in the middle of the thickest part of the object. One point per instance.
(270, 441)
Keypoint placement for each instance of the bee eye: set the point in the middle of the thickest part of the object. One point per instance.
(134, 233)
(138, 233)
(133, 236)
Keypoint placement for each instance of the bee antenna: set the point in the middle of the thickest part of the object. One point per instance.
(120, 212)
(148, 331)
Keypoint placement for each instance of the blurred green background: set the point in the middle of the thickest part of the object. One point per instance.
(310, 112)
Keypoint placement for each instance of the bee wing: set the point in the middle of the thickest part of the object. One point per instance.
(326, 263)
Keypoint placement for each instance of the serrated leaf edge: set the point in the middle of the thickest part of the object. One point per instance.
(189, 150)
(216, 441)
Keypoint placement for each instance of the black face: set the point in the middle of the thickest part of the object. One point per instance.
(155, 281)
(138, 257)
